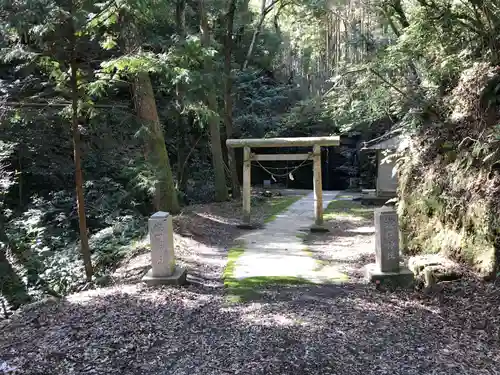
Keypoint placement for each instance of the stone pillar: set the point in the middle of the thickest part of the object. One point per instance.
(161, 236)
(387, 239)
(387, 268)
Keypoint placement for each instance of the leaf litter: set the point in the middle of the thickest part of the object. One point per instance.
(128, 328)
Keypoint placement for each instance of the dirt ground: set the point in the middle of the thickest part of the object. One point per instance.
(203, 234)
(352, 328)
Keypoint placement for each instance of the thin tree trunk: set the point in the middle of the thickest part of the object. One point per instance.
(328, 44)
(214, 124)
(228, 103)
(347, 56)
(252, 43)
(182, 176)
(185, 153)
(80, 202)
(263, 13)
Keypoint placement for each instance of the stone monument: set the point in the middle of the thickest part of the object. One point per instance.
(387, 269)
(161, 236)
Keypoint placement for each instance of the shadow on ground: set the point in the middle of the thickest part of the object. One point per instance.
(203, 235)
(346, 329)
(290, 330)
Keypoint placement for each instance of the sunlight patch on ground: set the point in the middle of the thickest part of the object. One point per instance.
(265, 257)
(86, 297)
(348, 209)
(217, 219)
(273, 320)
(331, 273)
(344, 196)
(368, 230)
(249, 308)
(333, 216)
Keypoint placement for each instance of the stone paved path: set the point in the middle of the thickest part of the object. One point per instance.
(278, 250)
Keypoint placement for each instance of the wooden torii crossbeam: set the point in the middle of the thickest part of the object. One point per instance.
(248, 156)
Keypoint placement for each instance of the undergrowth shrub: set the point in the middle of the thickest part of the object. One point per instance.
(44, 238)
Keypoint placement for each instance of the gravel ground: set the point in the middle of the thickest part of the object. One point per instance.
(347, 329)
(347, 248)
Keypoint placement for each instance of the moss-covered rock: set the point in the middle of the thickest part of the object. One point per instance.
(432, 269)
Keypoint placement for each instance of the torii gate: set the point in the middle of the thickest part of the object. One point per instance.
(248, 156)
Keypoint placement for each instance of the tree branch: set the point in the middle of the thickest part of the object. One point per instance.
(57, 105)
(388, 83)
(263, 13)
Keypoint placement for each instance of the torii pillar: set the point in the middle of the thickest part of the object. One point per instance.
(315, 142)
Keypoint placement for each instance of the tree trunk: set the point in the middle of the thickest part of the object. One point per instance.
(145, 105)
(80, 202)
(182, 145)
(215, 139)
(228, 102)
(252, 43)
(263, 13)
(188, 145)
(12, 287)
(165, 195)
(182, 176)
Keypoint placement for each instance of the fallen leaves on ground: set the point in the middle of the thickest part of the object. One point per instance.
(336, 329)
(132, 329)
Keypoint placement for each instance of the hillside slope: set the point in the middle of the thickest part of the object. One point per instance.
(450, 176)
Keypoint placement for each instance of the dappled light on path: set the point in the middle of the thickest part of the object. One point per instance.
(277, 251)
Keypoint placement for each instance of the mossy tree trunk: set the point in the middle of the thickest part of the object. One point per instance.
(156, 154)
(214, 123)
(145, 104)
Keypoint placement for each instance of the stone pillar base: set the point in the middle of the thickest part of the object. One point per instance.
(177, 278)
(403, 279)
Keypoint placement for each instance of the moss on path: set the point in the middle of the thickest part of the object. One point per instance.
(243, 285)
(278, 205)
(242, 290)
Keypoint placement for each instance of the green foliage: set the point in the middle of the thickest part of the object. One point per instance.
(45, 234)
(306, 118)
(260, 102)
